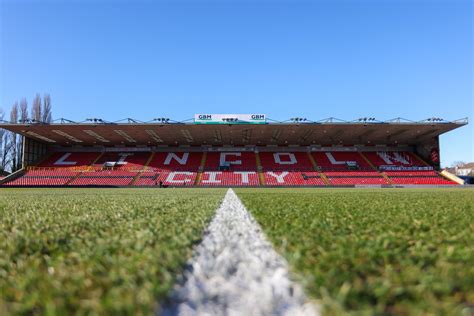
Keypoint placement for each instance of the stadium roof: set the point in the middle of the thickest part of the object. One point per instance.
(329, 131)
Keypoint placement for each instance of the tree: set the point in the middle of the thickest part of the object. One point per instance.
(47, 115)
(23, 118)
(36, 109)
(2, 133)
(5, 146)
(457, 164)
(23, 110)
(14, 113)
(11, 144)
(14, 138)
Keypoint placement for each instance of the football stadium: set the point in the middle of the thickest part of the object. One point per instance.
(186, 218)
(236, 158)
(229, 150)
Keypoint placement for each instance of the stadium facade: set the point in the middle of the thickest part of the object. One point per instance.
(232, 150)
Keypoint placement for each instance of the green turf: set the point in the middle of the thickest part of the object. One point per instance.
(386, 251)
(96, 251)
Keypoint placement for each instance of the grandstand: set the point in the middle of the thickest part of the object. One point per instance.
(232, 150)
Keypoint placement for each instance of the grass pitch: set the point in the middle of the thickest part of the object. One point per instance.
(118, 251)
(96, 251)
(404, 252)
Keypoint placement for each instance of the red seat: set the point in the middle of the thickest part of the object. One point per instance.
(56, 172)
(352, 173)
(69, 160)
(411, 173)
(133, 161)
(102, 180)
(39, 181)
(292, 178)
(169, 178)
(230, 178)
(237, 161)
(181, 169)
(357, 181)
(394, 158)
(108, 173)
(178, 161)
(338, 160)
(422, 181)
(285, 161)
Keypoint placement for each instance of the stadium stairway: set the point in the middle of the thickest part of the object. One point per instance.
(421, 159)
(201, 169)
(320, 172)
(451, 177)
(82, 171)
(96, 159)
(367, 160)
(444, 173)
(42, 160)
(12, 176)
(387, 178)
(383, 174)
(415, 177)
(74, 178)
(261, 177)
(144, 168)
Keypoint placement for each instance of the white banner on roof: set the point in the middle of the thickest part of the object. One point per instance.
(230, 118)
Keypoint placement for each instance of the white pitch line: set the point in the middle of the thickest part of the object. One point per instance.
(236, 271)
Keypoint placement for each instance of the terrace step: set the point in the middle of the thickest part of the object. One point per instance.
(41, 160)
(367, 160)
(383, 174)
(145, 166)
(387, 178)
(74, 178)
(13, 176)
(201, 168)
(95, 160)
(451, 177)
(421, 159)
(316, 168)
(81, 172)
(261, 176)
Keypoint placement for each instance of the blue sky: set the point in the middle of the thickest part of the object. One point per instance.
(315, 59)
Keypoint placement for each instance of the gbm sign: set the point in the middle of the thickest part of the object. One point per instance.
(230, 119)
